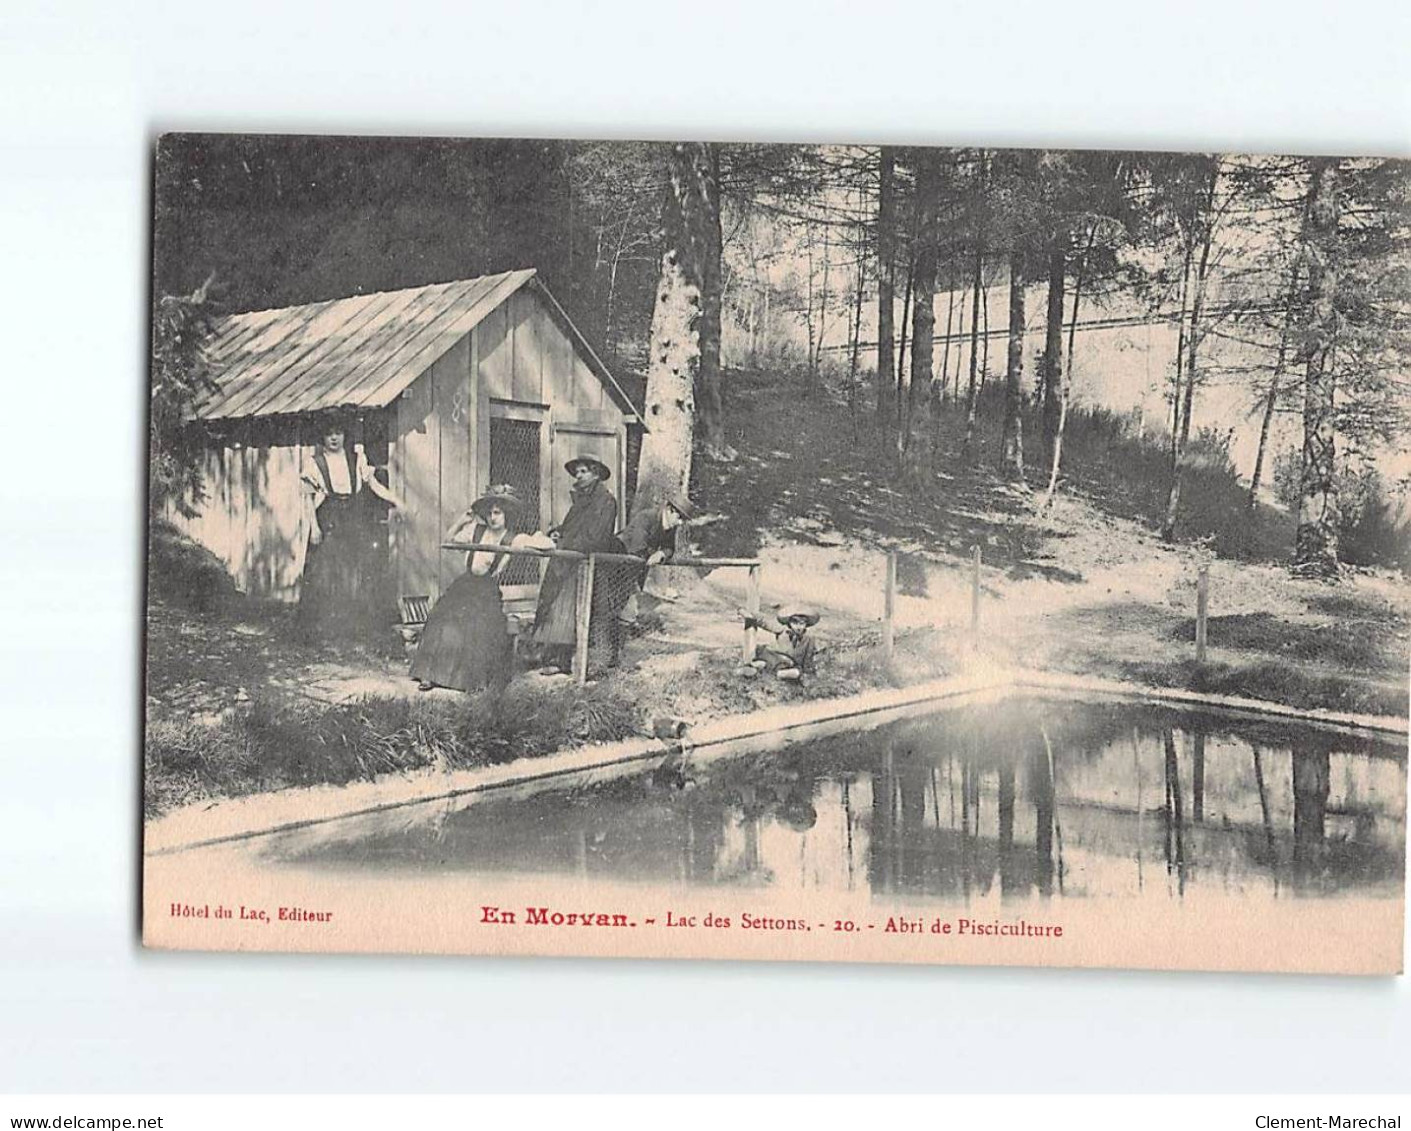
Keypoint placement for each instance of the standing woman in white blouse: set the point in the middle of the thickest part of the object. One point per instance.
(466, 642)
(335, 598)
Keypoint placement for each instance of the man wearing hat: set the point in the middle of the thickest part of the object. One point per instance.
(793, 653)
(651, 533)
(587, 528)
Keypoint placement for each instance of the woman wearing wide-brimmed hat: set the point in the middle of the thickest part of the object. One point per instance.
(466, 642)
(588, 528)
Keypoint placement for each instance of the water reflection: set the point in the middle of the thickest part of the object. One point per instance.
(1041, 799)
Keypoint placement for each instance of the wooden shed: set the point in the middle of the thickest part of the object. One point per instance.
(453, 387)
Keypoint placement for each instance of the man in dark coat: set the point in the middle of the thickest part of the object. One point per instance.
(588, 528)
(651, 535)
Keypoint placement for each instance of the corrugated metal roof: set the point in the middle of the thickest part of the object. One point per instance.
(357, 352)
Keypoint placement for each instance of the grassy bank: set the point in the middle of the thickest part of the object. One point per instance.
(271, 743)
(1307, 644)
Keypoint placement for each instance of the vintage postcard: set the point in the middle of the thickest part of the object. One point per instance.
(802, 552)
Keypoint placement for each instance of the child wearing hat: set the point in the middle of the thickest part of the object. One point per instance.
(792, 654)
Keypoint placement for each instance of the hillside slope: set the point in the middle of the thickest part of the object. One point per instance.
(1087, 586)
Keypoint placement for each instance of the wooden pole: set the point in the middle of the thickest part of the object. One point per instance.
(975, 589)
(1202, 602)
(889, 605)
(584, 612)
(576, 556)
(714, 563)
(752, 609)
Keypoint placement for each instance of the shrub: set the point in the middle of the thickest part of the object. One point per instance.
(1372, 529)
(185, 573)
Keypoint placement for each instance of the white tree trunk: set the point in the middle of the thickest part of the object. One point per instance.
(674, 357)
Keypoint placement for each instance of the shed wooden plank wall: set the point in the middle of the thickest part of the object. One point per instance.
(524, 319)
(451, 379)
(418, 455)
(496, 354)
(254, 518)
(435, 453)
(526, 358)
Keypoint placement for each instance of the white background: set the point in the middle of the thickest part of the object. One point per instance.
(84, 88)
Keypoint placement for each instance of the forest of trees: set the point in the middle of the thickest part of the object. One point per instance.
(693, 264)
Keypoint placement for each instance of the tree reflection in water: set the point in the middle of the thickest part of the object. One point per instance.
(1055, 799)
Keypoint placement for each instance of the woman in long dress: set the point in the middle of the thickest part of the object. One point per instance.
(335, 597)
(588, 528)
(466, 642)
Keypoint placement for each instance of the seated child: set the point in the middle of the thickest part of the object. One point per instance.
(792, 653)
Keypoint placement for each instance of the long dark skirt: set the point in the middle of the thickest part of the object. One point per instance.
(332, 599)
(556, 621)
(556, 617)
(466, 642)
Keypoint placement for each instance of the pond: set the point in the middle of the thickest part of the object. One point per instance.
(1023, 798)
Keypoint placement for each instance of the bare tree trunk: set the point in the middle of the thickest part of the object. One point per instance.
(1316, 541)
(674, 357)
(1053, 343)
(822, 307)
(1180, 356)
(907, 404)
(1193, 339)
(950, 325)
(953, 389)
(1067, 389)
(810, 375)
(886, 219)
(1271, 400)
(765, 324)
(712, 412)
(609, 338)
(985, 339)
(1077, 296)
(1012, 435)
(972, 392)
(923, 396)
(856, 337)
(903, 421)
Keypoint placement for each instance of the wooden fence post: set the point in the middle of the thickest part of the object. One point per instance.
(582, 620)
(1202, 605)
(975, 590)
(889, 605)
(751, 610)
